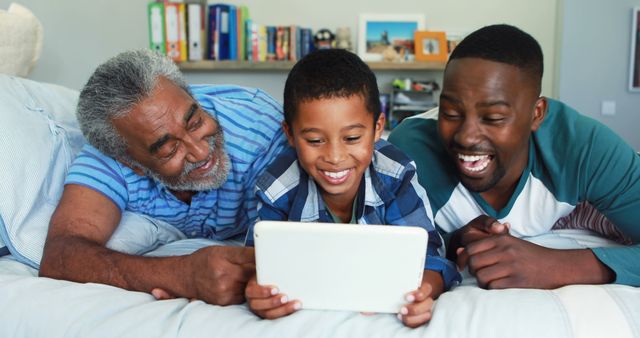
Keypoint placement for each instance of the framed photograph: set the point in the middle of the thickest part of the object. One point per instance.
(431, 46)
(634, 64)
(453, 39)
(381, 32)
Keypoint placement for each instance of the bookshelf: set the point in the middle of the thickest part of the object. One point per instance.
(211, 65)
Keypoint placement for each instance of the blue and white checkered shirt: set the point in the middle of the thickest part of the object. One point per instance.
(250, 120)
(389, 193)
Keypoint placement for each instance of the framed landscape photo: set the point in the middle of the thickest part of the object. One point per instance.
(380, 32)
(431, 46)
(634, 64)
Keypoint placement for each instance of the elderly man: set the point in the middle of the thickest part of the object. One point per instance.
(187, 155)
(501, 152)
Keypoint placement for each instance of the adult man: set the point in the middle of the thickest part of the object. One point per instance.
(185, 155)
(498, 149)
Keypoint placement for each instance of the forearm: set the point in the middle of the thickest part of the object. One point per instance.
(80, 260)
(580, 266)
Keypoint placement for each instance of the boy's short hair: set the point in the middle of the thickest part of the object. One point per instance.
(330, 73)
(505, 44)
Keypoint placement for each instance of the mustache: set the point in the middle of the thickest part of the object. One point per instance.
(474, 148)
(214, 143)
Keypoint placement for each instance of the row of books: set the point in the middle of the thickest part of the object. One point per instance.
(194, 31)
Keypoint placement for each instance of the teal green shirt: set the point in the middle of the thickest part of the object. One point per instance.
(572, 159)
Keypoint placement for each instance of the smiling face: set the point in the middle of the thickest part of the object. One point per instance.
(487, 113)
(334, 140)
(171, 138)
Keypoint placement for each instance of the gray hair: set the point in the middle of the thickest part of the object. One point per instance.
(113, 91)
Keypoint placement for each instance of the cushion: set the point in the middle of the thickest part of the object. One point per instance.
(39, 139)
(20, 40)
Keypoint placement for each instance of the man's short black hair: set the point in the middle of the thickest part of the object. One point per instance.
(504, 44)
(327, 74)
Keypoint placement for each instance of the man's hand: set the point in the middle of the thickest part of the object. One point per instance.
(479, 228)
(504, 261)
(419, 309)
(219, 274)
(266, 301)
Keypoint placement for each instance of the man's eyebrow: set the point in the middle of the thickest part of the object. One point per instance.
(444, 96)
(190, 113)
(159, 143)
(491, 103)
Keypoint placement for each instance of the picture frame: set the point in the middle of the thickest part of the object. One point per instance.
(453, 39)
(431, 46)
(376, 32)
(634, 58)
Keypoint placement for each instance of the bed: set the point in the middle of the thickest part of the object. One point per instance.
(38, 140)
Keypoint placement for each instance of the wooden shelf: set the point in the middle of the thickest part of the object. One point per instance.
(210, 65)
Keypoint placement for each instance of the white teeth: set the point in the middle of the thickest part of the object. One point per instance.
(478, 168)
(472, 158)
(338, 174)
(474, 163)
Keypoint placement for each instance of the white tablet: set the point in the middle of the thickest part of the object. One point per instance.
(341, 266)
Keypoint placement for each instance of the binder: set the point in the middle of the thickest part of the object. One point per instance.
(233, 33)
(195, 31)
(182, 27)
(222, 26)
(172, 22)
(212, 32)
(155, 11)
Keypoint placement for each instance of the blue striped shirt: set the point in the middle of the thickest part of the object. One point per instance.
(389, 193)
(250, 120)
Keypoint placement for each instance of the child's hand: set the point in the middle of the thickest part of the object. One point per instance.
(418, 310)
(267, 303)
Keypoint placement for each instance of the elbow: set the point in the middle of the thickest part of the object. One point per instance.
(51, 262)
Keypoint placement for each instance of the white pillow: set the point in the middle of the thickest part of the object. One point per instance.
(39, 139)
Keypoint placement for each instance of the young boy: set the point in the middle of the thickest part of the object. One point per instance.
(339, 170)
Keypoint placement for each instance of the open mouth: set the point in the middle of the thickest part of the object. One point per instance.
(336, 177)
(204, 168)
(474, 164)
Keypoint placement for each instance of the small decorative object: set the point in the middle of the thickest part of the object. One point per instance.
(343, 38)
(431, 46)
(391, 55)
(425, 86)
(401, 84)
(634, 67)
(323, 39)
(379, 31)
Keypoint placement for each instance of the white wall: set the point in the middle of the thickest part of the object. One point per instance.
(594, 63)
(81, 34)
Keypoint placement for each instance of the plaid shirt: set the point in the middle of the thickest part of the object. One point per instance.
(389, 193)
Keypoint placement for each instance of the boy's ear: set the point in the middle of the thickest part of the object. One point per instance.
(379, 126)
(288, 133)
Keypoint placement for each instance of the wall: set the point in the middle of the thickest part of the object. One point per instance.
(81, 34)
(594, 63)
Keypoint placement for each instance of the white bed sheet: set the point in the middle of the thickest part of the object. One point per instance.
(41, 307)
